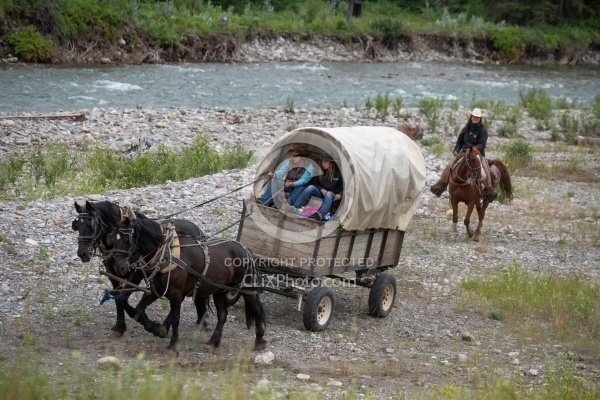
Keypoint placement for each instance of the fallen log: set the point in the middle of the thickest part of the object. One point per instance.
(80, 117)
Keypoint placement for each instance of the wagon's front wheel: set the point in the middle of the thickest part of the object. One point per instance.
(318, 309)
(382, 296)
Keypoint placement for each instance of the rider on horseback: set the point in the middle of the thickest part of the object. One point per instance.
(472, 134)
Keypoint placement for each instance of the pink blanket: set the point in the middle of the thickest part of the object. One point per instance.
(309, 210)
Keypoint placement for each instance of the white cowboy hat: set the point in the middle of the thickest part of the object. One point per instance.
(476, 112)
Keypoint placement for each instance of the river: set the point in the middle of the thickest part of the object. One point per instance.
(43, 88)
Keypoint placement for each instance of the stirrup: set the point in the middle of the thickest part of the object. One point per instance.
(490, 194)
(438, 189)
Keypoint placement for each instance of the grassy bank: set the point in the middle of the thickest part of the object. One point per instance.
(58, 169)
(38, 31)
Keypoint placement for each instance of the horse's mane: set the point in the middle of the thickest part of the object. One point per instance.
(108, 212)
(147, 227)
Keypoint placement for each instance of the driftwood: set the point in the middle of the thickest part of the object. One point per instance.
(80, 117)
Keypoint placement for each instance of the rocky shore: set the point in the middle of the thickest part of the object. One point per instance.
(50, 299)
(293, 48)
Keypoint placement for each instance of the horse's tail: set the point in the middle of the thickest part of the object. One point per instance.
(255, 312)
(505, 182)
(254, 309)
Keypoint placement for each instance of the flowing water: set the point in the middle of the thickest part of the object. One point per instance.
(41, 88)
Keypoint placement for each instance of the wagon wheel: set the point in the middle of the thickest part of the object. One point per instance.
(318, 309)
(382, 296)
(232, 296)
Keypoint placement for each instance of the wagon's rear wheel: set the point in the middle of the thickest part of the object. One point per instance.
(382, 296)
(232, 296)
(318, 309)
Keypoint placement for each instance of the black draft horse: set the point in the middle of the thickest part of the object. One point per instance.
(178, 270)
(464, 187)
(96, 220)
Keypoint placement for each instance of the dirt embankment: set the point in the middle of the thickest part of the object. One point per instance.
(136, 47)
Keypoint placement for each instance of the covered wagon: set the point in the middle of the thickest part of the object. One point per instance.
(384, 176)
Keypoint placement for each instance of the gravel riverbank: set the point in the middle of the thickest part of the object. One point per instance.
(51, 297)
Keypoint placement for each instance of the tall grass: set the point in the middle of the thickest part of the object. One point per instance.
(62, 171)
(568, 306)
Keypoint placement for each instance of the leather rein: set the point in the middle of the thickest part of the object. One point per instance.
(473, 175)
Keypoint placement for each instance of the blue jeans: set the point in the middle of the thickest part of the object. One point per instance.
(276, 186)
(313, 191)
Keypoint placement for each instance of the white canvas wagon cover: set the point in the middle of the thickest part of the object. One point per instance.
(383, 172)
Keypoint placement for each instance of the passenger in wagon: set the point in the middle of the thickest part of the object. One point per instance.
(292, 176)
(328, 186)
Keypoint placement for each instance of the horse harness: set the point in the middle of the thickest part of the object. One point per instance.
(167, 258)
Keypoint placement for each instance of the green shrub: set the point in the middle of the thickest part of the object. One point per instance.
(563, 103)
(397, 105)
(236, 157)
(569, 124)
(62, 171)
(49, 166)
(382, 103)
(289, 105)
(430, 108)
(596, 106)
(518, 153)
(10, 170)
(509, 41)
(30, 45)
(554, 134)
(514, 115)
(537, 102)
(428, 142)
(591, 127)
(312, 11)
(507, 129)
(390, 29)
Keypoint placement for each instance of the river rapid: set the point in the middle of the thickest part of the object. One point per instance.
(46, 89)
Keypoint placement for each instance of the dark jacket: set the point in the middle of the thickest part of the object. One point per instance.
(335, 185)
(472, 137)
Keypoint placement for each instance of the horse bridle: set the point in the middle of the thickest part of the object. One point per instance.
(95, 222)
(473, 172)
(133, 240)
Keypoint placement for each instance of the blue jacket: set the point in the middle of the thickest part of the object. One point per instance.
(282, 171)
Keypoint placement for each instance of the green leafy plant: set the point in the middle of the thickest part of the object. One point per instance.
(507, 129)
(509, 41)
(518, 153)
(430, 108)
(289, 107)
(537, 102)
(29, 44)
(382, 103)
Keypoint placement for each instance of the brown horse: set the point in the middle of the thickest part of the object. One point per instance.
(179, 266)
(464, 187)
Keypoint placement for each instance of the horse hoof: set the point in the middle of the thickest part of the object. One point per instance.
(172, 350)
(476, 238)
(116, 332)
(162, 331)
(212, 343)
(258, 346)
